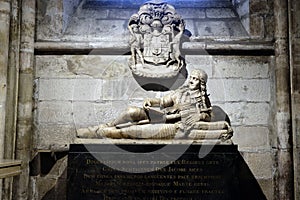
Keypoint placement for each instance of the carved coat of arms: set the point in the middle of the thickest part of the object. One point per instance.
(155, 39)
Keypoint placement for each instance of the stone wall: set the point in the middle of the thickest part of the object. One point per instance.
(242, 8)
(107, 20)
(74, 91)
(80, 91)
(57, 13)
(295, 94)
(4, 35)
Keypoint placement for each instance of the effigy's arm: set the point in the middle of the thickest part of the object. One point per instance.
(154, 102)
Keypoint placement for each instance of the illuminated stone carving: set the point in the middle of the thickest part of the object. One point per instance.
(186, 113)
(155, 39)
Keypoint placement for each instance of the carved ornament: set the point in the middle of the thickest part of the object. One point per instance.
(155, 41)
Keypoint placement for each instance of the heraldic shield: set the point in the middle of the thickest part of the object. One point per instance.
(155, 41)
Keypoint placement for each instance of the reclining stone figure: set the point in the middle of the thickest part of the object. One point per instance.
(185, 113)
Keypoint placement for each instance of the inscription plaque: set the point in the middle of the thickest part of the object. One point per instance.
(99, 172)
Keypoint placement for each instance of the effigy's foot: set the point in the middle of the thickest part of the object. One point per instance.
(89, 132)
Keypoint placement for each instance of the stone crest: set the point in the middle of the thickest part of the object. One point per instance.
(155, 39)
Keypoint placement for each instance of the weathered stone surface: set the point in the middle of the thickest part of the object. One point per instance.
(200, 62)
(4, 8)
(212, 28)
(259, 6)
(251, 138)
(55, 112)
(107, 20)
(239, 90)
(296, 22)
(245, 20)
(120, 14)
(123, 89)
(296, 152)
(269, 26)
(49, 12)
(91, 114)
(99, 30)
(4, 40)
(257, 29)
(190, 13)
(220, 28)
(69, 7)
(93, 13)
(53, 136)
(56, 13)
(260, 163)
(25, 109)
(244, 113)
(242, 7)
(296, 100)
(72, 66)
(234, 67)
(285, 173)
(236, 30)
(24, 139)
(70, 89)
(267, 186)
(190, 26)
(220, 13)
(110, 110)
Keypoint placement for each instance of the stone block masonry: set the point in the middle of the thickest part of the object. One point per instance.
(107, 20)
(75, 91)
(87, 90)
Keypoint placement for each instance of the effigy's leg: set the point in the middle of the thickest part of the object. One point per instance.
(132, 114)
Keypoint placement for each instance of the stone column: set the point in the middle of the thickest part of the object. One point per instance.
(284, 177)
(4, 47)
(12, 81)
(24, 126)
(4, 41)
(12, 92)
(294, 16)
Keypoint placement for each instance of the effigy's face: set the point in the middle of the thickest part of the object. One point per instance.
(135, 29)
(194, 82)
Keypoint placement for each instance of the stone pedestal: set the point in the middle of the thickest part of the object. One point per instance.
(157, 171)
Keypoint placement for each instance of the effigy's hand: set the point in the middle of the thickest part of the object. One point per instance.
(192, 119)
(147, 104)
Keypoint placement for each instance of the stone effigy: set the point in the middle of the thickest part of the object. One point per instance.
(185, 113)
(155, 39)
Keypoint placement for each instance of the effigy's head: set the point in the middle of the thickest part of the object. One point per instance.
(135, 28)
(197, 77)
(201, 74)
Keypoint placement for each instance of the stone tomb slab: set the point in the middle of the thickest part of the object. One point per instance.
(146, 171)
